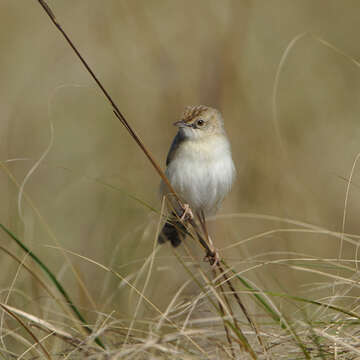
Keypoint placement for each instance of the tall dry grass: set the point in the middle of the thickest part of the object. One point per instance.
(79, 194)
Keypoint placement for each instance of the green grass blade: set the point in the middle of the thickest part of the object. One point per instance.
(53, 279)
(268, 308)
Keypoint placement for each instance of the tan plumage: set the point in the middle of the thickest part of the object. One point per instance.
(191, 112)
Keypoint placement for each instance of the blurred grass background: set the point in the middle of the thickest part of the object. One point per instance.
(155, 58)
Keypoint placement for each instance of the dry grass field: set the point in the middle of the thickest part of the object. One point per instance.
(81, 199)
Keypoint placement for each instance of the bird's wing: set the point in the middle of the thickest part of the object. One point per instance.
(178, 139)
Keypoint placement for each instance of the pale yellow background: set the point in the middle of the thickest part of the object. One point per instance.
(156, 57)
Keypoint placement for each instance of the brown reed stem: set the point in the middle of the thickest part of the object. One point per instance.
(123, 120)
(11, 313)
(240, 303)
(228, 337)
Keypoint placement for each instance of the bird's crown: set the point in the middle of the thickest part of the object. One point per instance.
(191, 112)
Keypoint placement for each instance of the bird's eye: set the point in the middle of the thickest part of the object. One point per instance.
(200, 122)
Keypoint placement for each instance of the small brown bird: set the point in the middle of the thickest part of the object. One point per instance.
(199, 166)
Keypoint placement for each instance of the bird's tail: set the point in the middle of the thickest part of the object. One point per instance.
(173, 232)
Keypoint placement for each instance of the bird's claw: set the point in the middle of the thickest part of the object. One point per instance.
(213, 257)
(187, 214)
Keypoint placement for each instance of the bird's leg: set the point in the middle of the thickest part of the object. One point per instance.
(187, 213)
(215, 257)
(201, 217)
(212, 255)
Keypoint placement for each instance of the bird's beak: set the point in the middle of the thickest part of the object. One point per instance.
(180, 124)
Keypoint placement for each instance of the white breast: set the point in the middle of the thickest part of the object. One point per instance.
(202, 173)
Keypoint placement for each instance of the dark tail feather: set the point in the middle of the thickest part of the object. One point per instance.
(173, 232)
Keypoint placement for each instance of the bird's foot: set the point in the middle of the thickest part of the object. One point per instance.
(187, 214)
(212, 257)
(213, 254)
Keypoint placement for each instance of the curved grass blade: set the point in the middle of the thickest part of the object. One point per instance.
(260, 299)
(54, 280)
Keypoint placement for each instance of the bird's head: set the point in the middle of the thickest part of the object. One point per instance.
(200, 121)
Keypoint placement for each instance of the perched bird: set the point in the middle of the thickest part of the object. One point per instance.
(200, 168)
